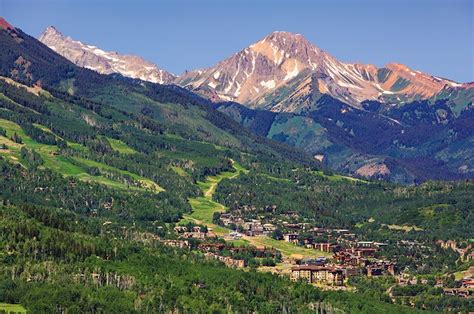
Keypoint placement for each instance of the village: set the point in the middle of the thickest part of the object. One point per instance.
(342, 256)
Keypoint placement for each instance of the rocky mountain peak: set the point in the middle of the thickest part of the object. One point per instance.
(5, 25)
(282, 38)
(281, 72)
(258, 69)
(50, 30)
(288, 40)
(105, 62)
(285, 72)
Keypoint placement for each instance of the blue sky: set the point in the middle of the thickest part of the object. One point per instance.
(435, 36)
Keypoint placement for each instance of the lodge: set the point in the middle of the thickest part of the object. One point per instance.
(318, 274)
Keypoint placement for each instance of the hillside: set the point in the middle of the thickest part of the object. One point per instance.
(407, 144)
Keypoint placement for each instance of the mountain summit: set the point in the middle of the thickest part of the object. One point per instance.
(104, 62)
(284, 72)
(258, 69)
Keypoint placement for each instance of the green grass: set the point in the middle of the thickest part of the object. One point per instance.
(204, 207)
(464, 273)
(147, 183)
(338, 177)
(406, 228)
(180, 171)
(12, 308)
(120, 146)
(61, 164)
(209, 186)
(42, 127)
(274, 178)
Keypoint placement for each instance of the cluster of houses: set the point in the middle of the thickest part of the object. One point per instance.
(466, 253)
(466, 289)
(252, 227)
(195, 232)
(335, 274)
(210, 250)
(350, 257)
(180, 244)
(227, 260)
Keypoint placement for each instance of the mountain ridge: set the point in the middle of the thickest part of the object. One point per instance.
(284, 57)
(104, 62)
(271, 65)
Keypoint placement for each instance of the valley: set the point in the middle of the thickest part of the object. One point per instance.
(124, 188)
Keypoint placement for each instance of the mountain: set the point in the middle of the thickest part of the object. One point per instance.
(282, 72)
(99, 172)
(285, 72)
(393, 122)
(336, 108)
(105, 62)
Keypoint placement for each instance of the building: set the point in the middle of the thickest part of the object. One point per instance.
(228, 261)
(325, 247)
(182, 244)
(380, 268)
(211, 247)
(291, 237)
(318, 274)
(365, 244)
(468, 283)
(450, 244)
(194, 235)
(460, 292)
(347, 258)
(234, 235)
(269, 227)
(350, 271)
(180, 229)
(320, 261)
(362, 251)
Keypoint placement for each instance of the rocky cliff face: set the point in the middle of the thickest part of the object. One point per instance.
(104, 62)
